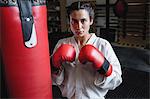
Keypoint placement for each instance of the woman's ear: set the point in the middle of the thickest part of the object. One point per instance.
(91, 20)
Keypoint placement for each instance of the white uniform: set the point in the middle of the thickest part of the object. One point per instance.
(82, 81)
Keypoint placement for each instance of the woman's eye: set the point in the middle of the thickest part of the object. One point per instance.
(83, 20)
(73, 21)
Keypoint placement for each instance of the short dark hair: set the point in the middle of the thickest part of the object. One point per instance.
(81, 5)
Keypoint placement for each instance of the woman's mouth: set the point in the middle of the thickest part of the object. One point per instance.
(78, 32)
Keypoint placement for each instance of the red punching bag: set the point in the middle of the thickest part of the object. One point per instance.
(120, 8)
(25, 51)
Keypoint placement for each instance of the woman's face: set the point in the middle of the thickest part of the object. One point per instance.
(80, 22)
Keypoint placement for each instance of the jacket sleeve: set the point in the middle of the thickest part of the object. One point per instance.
(115, 79)
(59, 78)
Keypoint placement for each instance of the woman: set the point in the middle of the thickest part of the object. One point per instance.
(84, 65)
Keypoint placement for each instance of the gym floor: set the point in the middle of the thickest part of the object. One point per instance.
(136, 74)
(135, 64)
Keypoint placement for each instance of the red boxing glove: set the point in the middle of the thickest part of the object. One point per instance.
(92, 54)
(64, 53)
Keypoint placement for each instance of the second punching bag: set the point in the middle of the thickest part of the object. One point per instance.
(25, 51)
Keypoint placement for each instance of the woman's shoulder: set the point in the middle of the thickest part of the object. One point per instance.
(102, 41)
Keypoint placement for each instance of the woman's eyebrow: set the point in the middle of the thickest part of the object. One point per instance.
(77, 19)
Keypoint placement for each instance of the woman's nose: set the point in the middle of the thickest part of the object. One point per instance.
(79, 25)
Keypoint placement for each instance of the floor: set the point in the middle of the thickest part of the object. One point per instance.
(134, 58)
(135, 64)
(135, 85)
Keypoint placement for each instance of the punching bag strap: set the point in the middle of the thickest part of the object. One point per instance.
(27, 22)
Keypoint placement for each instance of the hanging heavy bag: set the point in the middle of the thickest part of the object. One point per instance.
(120, 8)
(25, 51)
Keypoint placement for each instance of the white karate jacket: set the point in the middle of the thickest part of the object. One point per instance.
(82, 81)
